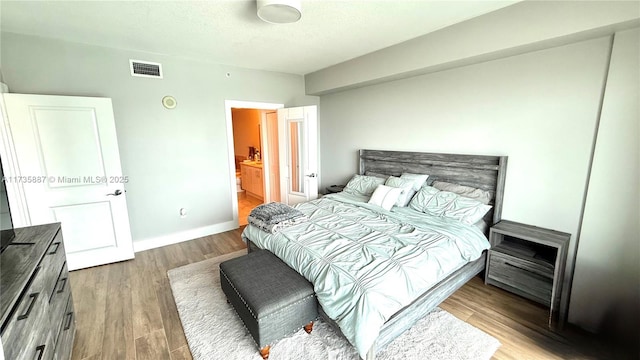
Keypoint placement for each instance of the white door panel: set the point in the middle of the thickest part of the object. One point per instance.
(67, 152)
(298, 137)
(86, 220)
(78, 130)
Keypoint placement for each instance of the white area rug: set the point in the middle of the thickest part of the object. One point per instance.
(214, 331)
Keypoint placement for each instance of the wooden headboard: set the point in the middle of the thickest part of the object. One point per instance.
(484, 172)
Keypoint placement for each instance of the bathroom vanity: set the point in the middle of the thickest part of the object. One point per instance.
(252, 178)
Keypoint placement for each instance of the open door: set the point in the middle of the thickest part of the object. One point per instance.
(67, 152)
(298, 138)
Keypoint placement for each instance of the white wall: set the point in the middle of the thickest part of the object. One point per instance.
(540, 109)
(606, 287)
(174, 158)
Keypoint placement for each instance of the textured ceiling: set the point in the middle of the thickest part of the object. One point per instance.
(229, 32)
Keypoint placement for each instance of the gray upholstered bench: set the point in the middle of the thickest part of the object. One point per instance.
(272, 299)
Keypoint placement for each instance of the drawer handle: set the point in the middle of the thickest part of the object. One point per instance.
(33, 298)
(39, 352)
(69, 320)
(53, 252)
(63, 281)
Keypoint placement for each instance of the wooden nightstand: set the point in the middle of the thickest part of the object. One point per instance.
(528, 261)
(334, 189)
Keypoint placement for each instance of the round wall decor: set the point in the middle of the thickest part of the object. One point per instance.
(169, 102)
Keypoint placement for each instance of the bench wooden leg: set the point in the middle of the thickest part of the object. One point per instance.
(264, 352)
(308, 327)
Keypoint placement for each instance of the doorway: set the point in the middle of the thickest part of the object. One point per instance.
(253, 158)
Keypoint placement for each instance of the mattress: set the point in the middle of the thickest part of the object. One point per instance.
(367, 263)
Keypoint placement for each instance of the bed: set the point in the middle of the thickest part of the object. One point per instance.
(308, 245)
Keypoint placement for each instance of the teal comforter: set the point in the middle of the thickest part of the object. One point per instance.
(366, 263)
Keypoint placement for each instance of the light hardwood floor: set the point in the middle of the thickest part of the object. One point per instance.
(246, 203)
(126, 310)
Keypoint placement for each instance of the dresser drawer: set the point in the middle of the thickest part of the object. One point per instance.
(53, 262)
(527, 278)
(26, 334)
(67, 332)
(59, 300)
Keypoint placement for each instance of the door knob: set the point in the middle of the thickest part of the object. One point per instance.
(116, 193)
(312, 175)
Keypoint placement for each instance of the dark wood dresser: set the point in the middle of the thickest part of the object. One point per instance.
(35, 303)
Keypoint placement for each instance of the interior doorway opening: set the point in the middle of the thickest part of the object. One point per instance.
(253, 155)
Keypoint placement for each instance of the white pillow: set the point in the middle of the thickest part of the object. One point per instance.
(422, 198)
(467, 210)
(418, 179)
(431, 201)
(363, 185)
(407, 189)
(385, 196)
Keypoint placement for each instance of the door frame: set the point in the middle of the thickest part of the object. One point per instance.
(228, 104)
(15, 191)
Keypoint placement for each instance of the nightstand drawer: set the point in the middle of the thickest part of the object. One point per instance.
(530, 280)
(540, 268)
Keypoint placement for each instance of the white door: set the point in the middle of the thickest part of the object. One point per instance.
(298, 138)
(67, 152)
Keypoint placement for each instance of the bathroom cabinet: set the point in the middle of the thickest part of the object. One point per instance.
(252, 179)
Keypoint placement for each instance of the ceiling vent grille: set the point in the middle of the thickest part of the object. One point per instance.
(146, 69)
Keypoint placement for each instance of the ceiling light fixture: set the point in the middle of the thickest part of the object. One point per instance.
(279, 11)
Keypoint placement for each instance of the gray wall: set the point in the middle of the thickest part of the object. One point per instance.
(491, 87)
(606, 286)
(539, 108)
(174, 158)
(516, 29)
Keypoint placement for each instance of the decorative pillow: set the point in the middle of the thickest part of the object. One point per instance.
(467, 210)
(439, 202)
(385, 196)
(422, 198)
(467, 191)
(407, 189)
(418, 179)
(363, 185)
(431, 201)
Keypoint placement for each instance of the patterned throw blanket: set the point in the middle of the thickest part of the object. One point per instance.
(273, 217)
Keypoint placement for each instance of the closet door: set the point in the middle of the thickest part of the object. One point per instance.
(67, 154)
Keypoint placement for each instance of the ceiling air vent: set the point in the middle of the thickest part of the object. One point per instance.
(146, 69)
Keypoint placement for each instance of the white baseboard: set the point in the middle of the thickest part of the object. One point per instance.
(160, 241)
